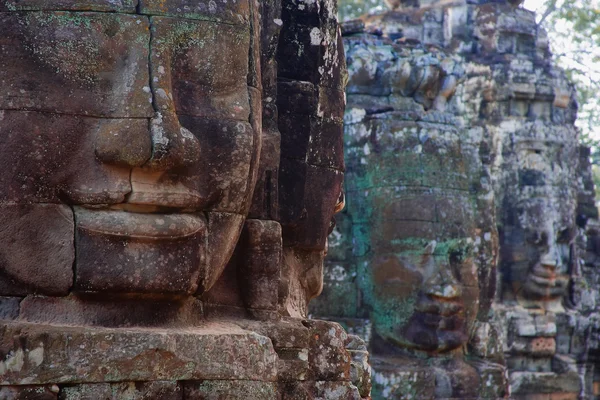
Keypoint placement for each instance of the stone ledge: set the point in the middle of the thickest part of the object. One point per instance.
(36, 354)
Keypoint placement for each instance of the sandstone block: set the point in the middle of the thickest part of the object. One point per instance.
(46, 158)
(29, 392)
(126, 252)
(328, 358)
(544, 382)
(76, 63)
(230, 12)
(40, 354)
(163, 390)
(127, 6)
(36, 249)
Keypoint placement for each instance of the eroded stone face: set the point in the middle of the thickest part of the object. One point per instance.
(538, 233)
(149, 123)
(311, 101)
(408, 186)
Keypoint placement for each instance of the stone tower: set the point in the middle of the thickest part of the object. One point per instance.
(524, 108)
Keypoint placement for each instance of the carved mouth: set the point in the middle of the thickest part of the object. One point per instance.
(438, 306)
(544, 280)
(140, 225)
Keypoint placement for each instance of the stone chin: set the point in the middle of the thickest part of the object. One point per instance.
(433, 332)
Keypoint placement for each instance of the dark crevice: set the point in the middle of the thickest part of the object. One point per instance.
(74, 268)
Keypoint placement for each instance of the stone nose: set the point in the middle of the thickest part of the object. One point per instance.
(551, 258)
(173, 146)
(443, 284)
(126, 143)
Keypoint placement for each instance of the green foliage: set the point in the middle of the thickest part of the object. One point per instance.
(351, 9)
(574, 31)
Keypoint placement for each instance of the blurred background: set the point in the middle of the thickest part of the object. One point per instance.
(573, 28)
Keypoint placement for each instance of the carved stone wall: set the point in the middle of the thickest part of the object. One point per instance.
(518, 110)
(411, 261)
(171, 171)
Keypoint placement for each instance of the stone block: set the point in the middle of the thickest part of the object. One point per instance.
(310, 50)
(265, 201)
(293, 364)
(163, 390)
(127, 6)
(47, 158)
(193, 74)
(536, 346)
(115, 312)
(36, 249)
(544, 382)
(41, 354)
(29, 392)
(525, 363)
(125, 252)
(319, 390)
(93, 64)
(307, 199)
(328, 358)
(229, 390)
(226, 13)
(402, 381)
(360, 369)
(284, 334)
(262, 247)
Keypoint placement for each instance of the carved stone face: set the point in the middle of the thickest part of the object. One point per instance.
(422, 284)
(147, 127)
(539, 256)
(539, 230)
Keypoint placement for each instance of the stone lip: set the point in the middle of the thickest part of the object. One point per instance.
(42, 354)
(140, 225)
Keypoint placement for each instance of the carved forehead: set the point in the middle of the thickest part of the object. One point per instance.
(232, 12)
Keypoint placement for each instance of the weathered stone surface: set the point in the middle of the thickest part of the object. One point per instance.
(544, 382)
(76, 63)
(36, 249)
(320, 390)
(37, 170)
(360, 369)
(228, 389)
(124, 252)
(29, 392)
(144, 123)
(167, 390)
(226, 13)
(119, 312)
(328, 357)
(79, 5)
(39, 354)
(262, 248)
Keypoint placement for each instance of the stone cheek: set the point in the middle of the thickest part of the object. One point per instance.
(38, 253)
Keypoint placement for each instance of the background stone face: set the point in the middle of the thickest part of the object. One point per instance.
(516, 110)
(413, 254)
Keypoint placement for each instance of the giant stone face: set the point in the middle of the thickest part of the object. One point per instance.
(538, 230)
(132, 138)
